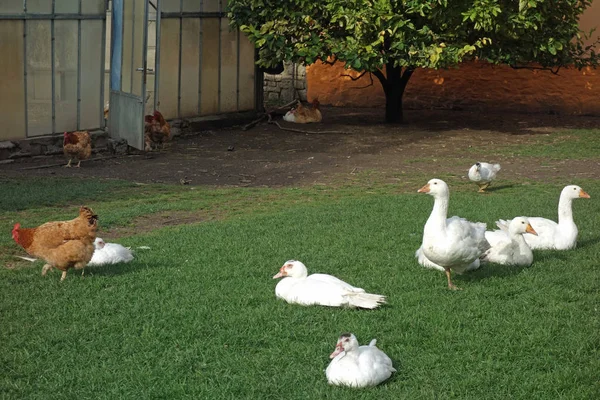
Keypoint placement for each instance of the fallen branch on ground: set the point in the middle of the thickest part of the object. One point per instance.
(269, 114)
(297, 130)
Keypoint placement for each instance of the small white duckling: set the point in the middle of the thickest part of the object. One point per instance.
(109, 253)
(356, 366)
(483, 174)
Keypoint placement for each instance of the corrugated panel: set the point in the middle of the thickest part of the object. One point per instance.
(39, 6)
(190, 67)
(67, 6)
(11, 6)
(65, 75)
(91, 32)
(209, 75)
(12, 98)
(39, 78)
(229, 68)
(169, 67)
(246, 97)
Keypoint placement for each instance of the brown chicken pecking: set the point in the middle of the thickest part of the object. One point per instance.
(77, 145)
(157, 131)
(62, 244)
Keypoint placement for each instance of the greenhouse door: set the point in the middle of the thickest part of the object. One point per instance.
(128, 70)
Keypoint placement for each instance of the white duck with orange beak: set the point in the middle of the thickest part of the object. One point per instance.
(320, 289)
(358, 366)
(109, 253)
(552, 235)
(508, 245)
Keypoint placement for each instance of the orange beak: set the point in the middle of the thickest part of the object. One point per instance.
(280, 274)
(583, 194)
(530, 229)
(424, 189)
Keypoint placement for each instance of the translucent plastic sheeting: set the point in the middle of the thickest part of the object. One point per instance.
(172, 5)
(190, 67)
(11, 6)
(191, 5)
(12, 101)
(65, 75)
(67, 6)
(138, 48)
(246, 98)
(39, 78)
(209, 73)
(127, 61)
(229, 68)
(211, 6)
(39, 6)
(169, 67)
(91, 6)
(90, 75)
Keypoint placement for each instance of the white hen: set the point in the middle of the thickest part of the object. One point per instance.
(320, 289)
(483, 174)
(109, 253)
(452, 243)
(356, 366)
(552, 235)
(508, 245)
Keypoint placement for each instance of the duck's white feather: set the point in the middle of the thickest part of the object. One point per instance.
(111, 253)
(485, 173)
(361, 367)
(323, 289)
(508, 247)
(552, 235)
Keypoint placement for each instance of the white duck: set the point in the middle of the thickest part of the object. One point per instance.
(508, 245)
(109, 253)
(483, 174)
(321, 289)
(452, 243)
(552, 235)
(356, 366)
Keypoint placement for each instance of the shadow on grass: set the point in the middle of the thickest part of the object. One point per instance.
(491, 271)
(588, 242)
(492, 189)
(117, 269)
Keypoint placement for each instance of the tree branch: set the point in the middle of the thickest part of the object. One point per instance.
(531, 68)
(353, 78)
(379, 74)
(335, 59)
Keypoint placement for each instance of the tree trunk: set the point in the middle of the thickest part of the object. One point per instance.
(394, 82)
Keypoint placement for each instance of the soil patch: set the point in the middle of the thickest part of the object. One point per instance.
(432, 142)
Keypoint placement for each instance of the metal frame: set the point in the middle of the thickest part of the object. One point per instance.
(52, 16)
(202, 15)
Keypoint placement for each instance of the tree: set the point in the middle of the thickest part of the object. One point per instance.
(392, 38)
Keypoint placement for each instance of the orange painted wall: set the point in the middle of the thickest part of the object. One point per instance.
(475, 86)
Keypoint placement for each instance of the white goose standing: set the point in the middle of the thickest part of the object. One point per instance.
(452, 243)
(552, 235)
(320, 289)
(356, 366)
(508, 245)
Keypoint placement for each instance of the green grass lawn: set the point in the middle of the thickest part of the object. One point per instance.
(196, 315)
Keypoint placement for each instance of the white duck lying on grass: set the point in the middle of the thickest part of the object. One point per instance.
(552, 235)
(508, 245)
(452, 243)
(110, 253)
(320, 289)
(483, 174)
(356, 366)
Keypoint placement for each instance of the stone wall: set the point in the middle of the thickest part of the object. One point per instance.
(473, 86)
(287, 86)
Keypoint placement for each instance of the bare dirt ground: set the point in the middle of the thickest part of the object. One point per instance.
(348, 142)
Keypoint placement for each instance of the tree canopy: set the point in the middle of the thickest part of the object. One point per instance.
(392, 38)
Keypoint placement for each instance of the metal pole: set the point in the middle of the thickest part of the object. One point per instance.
(79, 70)
(237, 75)
(157, 54)
(179, 69)
(145, 68)
(219, 68)
(103, 67)
(25, 69)
(133, 67)
(52, 67)
(199, 105)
